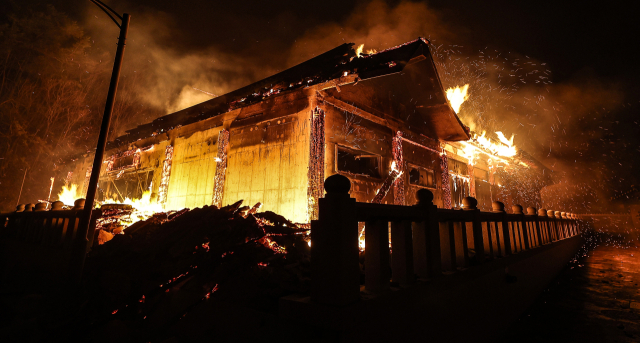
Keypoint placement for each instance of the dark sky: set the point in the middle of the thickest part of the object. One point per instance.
(572, 36)
(588, 47)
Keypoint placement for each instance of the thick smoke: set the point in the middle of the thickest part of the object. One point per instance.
(565, 125)
(170, 78)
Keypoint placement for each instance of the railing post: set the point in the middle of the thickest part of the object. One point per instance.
(517, 209)
(335, 271)
(376, 256)
(498, 207)
(574, 224)
(534, 224)
(402, 255)
(471, 204)
(559, 224)
(542, 223)
(552, 225)
(426, 238)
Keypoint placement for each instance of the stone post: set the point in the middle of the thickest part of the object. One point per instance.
(534, 224)
(335, 271)
(498, 207)
(470, 204)
(522, 230)
(426, 238)
(544, 224)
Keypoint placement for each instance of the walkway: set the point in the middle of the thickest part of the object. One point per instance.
(595, 299)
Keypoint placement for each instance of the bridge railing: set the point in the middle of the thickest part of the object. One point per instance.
(423, 240)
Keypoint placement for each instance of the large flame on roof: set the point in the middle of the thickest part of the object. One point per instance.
(505, 148)
(69, 194)
(457, 96)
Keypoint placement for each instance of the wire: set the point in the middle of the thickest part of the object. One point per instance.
(100, 4)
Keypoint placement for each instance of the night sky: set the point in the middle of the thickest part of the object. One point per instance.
(586, 126)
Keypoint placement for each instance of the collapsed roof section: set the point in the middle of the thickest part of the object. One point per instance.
(410, 63)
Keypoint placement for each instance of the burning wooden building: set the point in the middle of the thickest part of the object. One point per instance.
(383, 120)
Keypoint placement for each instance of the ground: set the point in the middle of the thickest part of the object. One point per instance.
(595, 299)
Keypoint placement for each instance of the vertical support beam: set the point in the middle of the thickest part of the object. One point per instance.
(398, 159)
(472, 180)
(316, 162)
(163, 190)
(335, 269)
(446, 187)
(221, 168)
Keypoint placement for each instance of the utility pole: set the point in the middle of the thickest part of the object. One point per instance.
(80, 246)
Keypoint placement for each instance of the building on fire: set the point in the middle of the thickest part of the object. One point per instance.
(382, 120)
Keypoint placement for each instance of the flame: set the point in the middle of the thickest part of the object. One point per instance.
(457, 96)
(469, 152)
(69, 194)
(359, 50)
(143, 208)
(504, 148)
(372, 51)
(503, 139)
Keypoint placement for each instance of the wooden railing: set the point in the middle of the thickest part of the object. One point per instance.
(425, 240)
(55, 230)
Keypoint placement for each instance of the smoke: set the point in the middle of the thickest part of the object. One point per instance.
(377, 25)
(566, 125)
(169, 75)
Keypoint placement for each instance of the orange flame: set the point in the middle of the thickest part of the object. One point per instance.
(69, 194)
(457, 96)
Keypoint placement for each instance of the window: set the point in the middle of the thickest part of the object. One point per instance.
(422, 177)
(357, 162)
(457, 167)
(124, 162)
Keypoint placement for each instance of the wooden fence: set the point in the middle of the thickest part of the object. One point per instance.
(425, 240)
(55, 231)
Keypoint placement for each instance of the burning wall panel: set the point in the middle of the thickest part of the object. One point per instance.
(422, 157)
(359, 136)
(193, 170)
(268, 158)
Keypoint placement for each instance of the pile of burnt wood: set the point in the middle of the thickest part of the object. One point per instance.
(167, 273)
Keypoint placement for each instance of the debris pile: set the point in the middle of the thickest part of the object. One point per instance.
(159, 271)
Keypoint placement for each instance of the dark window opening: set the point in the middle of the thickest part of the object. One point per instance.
(358, 162)
(129, 185)
(123, 162)
(422, 177)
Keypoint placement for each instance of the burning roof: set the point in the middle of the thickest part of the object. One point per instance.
(331, 65)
